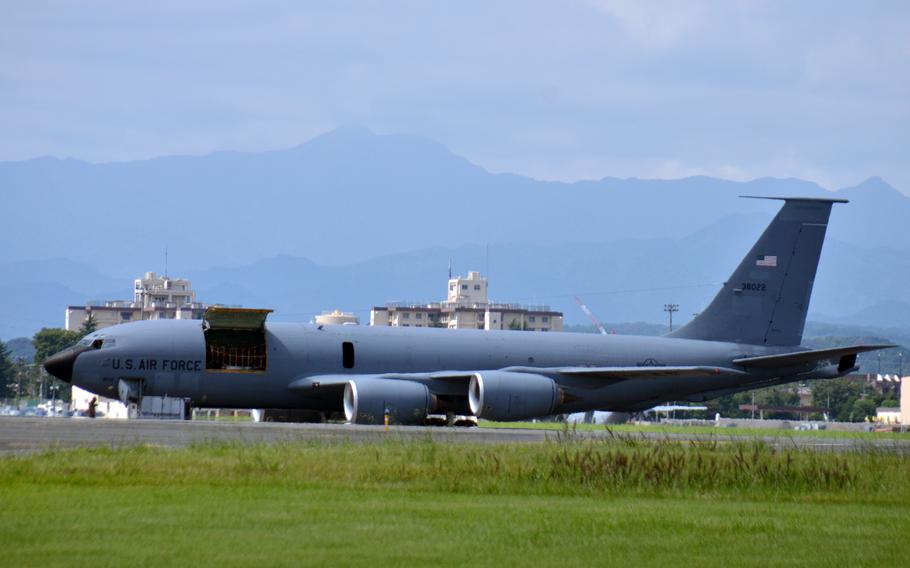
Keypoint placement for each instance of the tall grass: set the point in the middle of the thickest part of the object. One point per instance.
(567, 465)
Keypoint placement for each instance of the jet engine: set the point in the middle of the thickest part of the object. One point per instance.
(367, 400)
(507, 395)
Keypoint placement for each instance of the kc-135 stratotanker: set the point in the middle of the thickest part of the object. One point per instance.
(748, 337)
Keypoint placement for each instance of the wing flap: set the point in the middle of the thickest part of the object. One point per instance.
(804, 357)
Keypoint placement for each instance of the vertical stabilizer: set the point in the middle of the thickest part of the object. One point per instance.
(765, 300)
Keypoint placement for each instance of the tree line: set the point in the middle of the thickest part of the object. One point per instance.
(20, 379)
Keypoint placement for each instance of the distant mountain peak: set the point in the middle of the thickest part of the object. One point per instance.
(874, 183)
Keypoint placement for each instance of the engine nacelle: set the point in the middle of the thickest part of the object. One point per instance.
(367, 400)
(507, 395)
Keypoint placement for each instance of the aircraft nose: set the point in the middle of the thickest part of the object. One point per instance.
(61, 364)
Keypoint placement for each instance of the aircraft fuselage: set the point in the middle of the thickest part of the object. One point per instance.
(169, 357)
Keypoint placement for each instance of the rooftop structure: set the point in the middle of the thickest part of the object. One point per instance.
(154, 291)
(467, 307)
(154, 297)
(337, 317)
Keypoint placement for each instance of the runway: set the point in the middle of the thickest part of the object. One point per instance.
(19, 435)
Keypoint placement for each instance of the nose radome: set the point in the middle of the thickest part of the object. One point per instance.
(61, 364)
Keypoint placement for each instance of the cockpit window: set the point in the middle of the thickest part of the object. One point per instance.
(96, 342)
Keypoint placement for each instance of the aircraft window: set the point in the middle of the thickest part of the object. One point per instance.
(85, 341)
(107, 342)
(347, 355)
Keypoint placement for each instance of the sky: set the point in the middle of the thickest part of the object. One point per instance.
(578, 89)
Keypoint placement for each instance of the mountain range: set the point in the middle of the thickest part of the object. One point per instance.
(353, 219)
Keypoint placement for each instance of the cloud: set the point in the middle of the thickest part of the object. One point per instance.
(657, 24)
(567, 90)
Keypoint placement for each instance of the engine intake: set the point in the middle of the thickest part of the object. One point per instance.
(367, 400)
(507, 395)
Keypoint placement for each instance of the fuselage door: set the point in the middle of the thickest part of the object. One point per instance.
(235, 340)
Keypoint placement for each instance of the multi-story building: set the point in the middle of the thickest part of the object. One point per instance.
(154, 297)
(467, 306)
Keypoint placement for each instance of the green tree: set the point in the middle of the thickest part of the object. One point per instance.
(837, 394)
(47, 342)
(51, 340)
(7, 373)
(862, 409)
(88, 326)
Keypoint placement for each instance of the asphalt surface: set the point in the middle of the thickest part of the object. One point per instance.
(18, 434)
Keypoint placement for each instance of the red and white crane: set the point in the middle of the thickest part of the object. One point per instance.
(591, 316)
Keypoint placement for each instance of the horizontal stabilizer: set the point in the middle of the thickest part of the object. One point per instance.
(804, 357)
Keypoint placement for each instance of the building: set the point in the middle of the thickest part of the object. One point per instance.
(905, 400)
(880, 384)
(337, 317)
(467, 306)
(886, 415)
(154, 297)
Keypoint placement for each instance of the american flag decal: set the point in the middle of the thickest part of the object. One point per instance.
(765, 260)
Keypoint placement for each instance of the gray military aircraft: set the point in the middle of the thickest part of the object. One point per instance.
(748, 337)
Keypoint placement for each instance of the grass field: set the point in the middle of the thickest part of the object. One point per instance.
(567, 502)
(631, 429)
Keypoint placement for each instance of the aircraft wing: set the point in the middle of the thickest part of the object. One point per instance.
(318, 381)
(606, 373)
(633, 373)
(810, 356)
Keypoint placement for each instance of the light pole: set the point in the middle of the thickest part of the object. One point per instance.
(670, 308)
(54, 389)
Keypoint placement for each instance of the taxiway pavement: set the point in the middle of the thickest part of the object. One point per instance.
(18, 434)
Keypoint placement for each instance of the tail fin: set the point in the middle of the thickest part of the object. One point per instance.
(765, 300)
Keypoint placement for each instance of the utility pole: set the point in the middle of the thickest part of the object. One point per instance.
(670, 308)
(20, 370)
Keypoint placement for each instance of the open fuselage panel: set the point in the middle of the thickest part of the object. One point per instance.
(235, 340)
